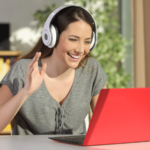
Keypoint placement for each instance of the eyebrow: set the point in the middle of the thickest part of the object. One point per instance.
(78, 37)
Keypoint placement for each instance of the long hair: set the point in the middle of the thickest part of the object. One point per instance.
(61, 21)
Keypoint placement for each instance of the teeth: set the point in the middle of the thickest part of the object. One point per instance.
(74, 56)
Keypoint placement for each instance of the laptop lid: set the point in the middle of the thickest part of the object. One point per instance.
(120, 116)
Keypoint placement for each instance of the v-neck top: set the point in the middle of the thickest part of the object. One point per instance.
(41, 113)
(72, 88)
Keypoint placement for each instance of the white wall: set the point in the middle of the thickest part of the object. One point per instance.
(19, 13)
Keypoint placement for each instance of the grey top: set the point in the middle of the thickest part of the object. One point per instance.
(42, 114)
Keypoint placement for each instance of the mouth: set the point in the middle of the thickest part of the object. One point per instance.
(74, 57)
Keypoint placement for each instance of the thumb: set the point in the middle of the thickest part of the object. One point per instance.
(43, 70)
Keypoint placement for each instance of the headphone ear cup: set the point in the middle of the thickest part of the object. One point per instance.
(54, 36)
(93, 41)
(57, 35)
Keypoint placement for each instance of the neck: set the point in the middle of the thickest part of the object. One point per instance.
(56, 69)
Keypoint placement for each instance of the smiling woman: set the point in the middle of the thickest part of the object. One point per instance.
(63, 20)
(56, 99)
(73, 43)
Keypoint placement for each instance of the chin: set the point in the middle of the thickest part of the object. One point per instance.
(73, 66)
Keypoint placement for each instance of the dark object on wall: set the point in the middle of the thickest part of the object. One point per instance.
(4, 36)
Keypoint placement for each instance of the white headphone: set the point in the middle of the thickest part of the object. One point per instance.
(50, 32)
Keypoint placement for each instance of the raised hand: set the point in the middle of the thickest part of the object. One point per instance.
(34, 78)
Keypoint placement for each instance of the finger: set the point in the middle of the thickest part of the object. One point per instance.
(35, 64)
(31, 65)
(35, 59)
(30, 72)
(32, 61)
(43, 69)
(39, 55)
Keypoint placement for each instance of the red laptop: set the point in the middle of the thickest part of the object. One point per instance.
(120, 116)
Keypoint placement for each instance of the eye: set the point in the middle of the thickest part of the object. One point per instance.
(88, 42)
(72, 39)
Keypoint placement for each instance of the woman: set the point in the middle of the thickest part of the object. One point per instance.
(51, 93)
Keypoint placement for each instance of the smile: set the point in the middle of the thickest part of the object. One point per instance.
(73, 56)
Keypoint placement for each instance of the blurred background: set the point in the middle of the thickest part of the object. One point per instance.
(123, 35)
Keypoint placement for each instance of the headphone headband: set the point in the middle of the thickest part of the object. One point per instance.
(47, 35)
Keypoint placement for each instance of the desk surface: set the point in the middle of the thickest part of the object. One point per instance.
(40, 142)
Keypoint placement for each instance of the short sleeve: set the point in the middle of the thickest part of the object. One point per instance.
(99, 80)
(14, 78)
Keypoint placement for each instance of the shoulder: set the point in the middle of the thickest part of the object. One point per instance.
(20, 66)
(92, 60)
(22, 63)
(96, 67)
(93, 63)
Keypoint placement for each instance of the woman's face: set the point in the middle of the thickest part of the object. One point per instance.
(74, 44)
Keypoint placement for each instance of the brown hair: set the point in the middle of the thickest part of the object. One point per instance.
(61, 21)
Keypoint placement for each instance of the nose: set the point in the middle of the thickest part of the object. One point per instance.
(80, 48)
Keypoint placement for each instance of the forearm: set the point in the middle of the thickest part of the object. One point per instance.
(9, 109)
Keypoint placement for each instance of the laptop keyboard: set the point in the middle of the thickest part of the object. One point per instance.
(71, 139)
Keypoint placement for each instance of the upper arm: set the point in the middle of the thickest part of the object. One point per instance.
(13, 80)
(5, 94)
(94, 100)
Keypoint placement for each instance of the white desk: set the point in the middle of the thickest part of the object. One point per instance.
(41, 142)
